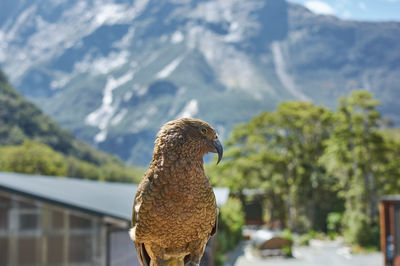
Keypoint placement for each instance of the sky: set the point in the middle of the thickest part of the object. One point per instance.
(371, 10)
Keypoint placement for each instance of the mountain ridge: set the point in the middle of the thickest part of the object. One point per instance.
(127, 67)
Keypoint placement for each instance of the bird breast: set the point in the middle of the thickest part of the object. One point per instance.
(178, 206)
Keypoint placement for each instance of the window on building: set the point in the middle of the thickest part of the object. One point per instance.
(5, 202)
(77, 222)
(29, 221)
(3, 218)
(5, 205)
(57, 219)
(55, 247)
(29, 251)
(25, 205)
(3, 250)
(80, 248)
(29, 215)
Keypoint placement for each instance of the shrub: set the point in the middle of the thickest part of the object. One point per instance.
(359, 229)
(287, 234)
(333, 222)
(32, 158)
(287, 250)
(37, 158)
(304, 240)
(231, 221)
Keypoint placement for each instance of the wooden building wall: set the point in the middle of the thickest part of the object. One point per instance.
(390, 226)
(36, 233)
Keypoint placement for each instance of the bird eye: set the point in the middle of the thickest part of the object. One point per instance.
(204, 131)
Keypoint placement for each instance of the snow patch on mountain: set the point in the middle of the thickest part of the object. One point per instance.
(142, 90)
(101, 117)
(167, 70)
(119, 117)
(102, 65)
(234, 68)
(150, 59)
(60, 82)
(19, 23)
(177, 37)
(143, 119)
(125, 42)
(191, 109)
(139, 124)
(127, 96)
(113, 13)
(283, 75)
(235, 33)
(214, 11)
(139, 6)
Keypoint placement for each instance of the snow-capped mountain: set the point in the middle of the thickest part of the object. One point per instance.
(113, 71)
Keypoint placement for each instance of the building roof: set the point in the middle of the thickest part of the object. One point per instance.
(393, 197)
(100, 198)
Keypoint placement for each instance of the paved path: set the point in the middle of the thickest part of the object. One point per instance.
(319, 253)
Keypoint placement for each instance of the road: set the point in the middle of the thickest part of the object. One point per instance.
(319, 253)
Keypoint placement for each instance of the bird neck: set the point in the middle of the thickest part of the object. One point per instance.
(168, 152)
(164, 160)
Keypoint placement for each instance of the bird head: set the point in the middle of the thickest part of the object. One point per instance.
(191, 135)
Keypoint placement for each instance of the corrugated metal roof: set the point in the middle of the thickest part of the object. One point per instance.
(100, 198)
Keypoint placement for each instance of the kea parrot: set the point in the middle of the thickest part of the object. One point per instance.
(174, 211)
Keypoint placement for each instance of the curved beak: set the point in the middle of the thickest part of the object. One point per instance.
(219, 149)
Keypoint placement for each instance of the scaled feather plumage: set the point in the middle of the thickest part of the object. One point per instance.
(174, 212)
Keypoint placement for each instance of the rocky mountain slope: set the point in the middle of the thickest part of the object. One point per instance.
(113, 71)
(22, 124)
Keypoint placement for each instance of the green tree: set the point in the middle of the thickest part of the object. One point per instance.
(309, 162)
(36, 158)
(389, 172)
(32, 158)
(278, 152)
(82, 169)
(355, 155)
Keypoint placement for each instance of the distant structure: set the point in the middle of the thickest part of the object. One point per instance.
(389, 209)
(270, 243)
(68, 221)
(253, 209)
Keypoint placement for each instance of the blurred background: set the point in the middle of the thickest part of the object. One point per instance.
(304, 94)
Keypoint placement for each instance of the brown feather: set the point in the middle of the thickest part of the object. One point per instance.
(174, 211)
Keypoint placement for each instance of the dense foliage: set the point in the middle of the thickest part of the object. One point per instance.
(30, 142)
(230, 223)
(310, 161)
(36, 158)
